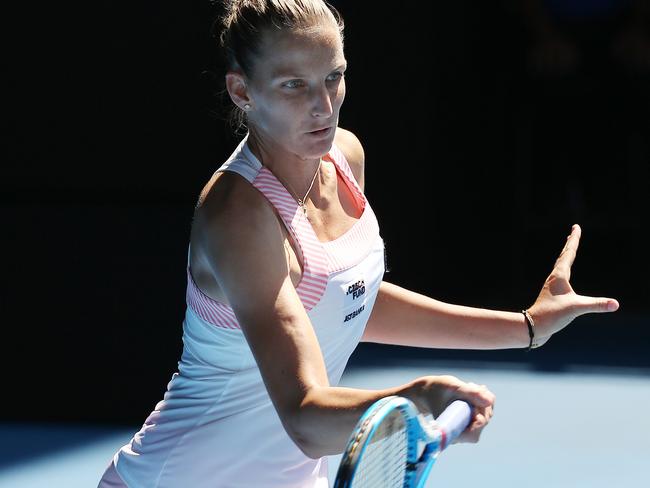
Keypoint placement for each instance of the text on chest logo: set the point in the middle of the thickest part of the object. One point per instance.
(350, 316)
(357, 289)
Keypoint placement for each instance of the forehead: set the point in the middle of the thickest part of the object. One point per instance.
(295, 52)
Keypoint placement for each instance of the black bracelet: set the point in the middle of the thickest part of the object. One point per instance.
(531, 329)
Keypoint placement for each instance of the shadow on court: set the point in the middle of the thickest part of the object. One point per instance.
(555, 420)
(27, 442)
(553, 405)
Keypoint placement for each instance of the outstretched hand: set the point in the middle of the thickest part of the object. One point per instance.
(557, 304)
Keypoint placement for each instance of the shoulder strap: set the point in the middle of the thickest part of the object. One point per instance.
(338, 158)
(243, 162)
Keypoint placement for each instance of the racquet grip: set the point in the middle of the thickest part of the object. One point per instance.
(453, 421)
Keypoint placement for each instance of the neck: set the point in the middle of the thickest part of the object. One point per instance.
(294, 172)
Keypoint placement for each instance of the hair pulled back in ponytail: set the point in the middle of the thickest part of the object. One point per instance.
(241, 29)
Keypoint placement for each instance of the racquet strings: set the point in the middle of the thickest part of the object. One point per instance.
(383, 463)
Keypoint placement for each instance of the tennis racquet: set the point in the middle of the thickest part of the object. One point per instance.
(394, 446)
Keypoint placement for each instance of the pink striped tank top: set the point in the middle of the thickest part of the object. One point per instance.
(216, 425)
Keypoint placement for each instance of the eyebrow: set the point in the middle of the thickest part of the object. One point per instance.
(289, 73)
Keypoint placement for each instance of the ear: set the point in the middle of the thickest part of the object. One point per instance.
(237, 88)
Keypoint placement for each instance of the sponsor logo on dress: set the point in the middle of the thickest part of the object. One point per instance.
(357, 289)
(351, 315)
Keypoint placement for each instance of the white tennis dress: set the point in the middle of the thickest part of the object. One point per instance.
(216, 426)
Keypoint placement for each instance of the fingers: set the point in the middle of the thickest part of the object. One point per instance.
(478, 395)
(568, 255)
(480, 419)
(597, 304)
(482, 401)
(443, 390)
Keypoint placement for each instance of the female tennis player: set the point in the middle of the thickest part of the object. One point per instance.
(285, 277)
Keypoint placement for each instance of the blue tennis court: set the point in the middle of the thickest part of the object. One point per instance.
(579, 428)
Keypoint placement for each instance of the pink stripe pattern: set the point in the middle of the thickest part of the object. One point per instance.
(320, 259)
(315, 272)
(350, 248)
(210, 310)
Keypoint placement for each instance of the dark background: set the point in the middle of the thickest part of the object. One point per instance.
(477, 165)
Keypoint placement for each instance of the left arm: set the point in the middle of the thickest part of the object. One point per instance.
(403, 317)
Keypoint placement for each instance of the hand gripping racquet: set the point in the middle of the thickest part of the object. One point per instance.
(394, 446)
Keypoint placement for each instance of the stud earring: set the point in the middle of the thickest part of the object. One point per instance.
(247, 107)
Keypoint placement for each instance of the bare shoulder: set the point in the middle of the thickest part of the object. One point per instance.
(352, 149)
(233, 226)
(229, 202)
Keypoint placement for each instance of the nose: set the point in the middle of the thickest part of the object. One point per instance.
(322, 102)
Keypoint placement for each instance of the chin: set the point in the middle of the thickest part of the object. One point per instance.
(316, 154)
(320, 148)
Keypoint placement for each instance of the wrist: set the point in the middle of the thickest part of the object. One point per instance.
(431, 394)
(414, 391)
(533, 336)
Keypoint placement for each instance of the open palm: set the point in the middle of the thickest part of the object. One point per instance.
(558, 304)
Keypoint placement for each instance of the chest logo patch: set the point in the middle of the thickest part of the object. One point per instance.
(356, 289)
(351, 315)
(354, 298)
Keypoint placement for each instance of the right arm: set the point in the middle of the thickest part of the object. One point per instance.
(243, 243)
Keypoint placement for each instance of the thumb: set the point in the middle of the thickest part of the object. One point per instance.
(596, 304)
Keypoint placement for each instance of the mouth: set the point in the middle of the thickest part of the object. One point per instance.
(321, 132)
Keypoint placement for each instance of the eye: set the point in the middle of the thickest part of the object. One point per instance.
(335, 76)
(293, 84)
